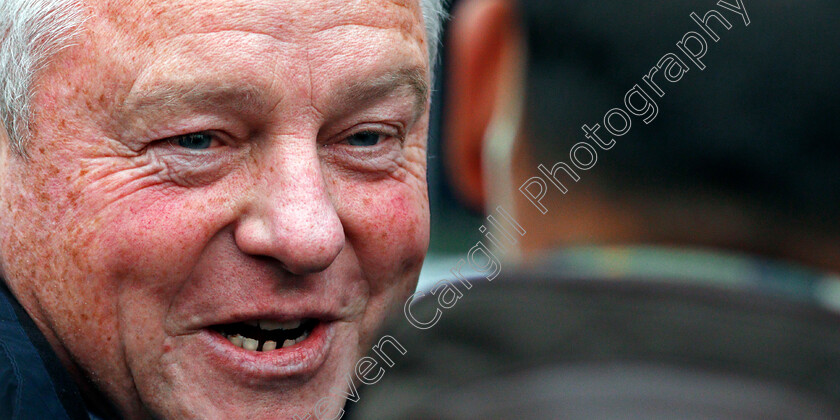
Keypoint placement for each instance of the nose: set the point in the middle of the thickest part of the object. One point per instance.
(291, 217)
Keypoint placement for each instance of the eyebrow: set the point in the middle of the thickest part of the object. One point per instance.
(173, 95)
(413, 79)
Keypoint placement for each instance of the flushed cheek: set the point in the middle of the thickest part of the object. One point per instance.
(156, 234)
(388, 229)
(151, 248)
(144, 247)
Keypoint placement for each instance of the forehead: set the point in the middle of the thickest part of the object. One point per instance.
(287, 20)
(314, 46)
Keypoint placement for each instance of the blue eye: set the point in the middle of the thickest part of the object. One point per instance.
(364, 138)
(194, 141)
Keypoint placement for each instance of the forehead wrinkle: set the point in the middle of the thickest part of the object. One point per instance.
(286, 20)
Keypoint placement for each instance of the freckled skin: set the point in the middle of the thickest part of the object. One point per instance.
(115, 242)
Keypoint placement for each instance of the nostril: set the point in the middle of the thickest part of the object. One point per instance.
(297, 254)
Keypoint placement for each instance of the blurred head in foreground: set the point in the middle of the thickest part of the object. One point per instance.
(663, 123)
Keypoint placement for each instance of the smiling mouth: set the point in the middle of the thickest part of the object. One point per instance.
(266, 335)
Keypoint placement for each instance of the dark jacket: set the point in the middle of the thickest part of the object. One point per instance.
(33, 383)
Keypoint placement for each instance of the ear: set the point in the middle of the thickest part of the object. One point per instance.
(481, 43)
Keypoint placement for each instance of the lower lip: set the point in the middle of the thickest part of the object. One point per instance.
(302, 359)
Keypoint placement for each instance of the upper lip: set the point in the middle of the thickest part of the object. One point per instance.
(226, 298)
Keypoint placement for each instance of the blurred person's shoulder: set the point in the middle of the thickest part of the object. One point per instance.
(696, 330)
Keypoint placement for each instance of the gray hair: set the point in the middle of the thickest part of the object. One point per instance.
(434, 13)
(32, 31)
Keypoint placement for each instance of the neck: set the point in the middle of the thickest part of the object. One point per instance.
(585, 217)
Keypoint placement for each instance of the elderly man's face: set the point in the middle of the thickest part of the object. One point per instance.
(206, 168)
